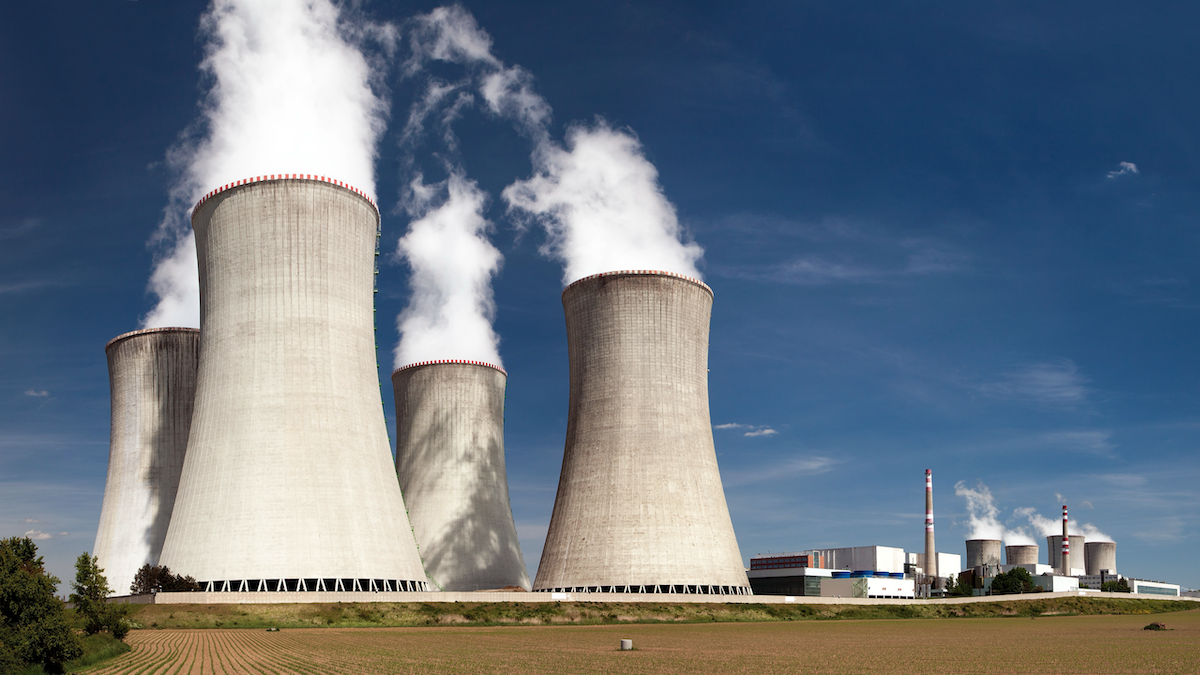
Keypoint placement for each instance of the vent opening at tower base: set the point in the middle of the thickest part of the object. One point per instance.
(684, 589)
(310, 585)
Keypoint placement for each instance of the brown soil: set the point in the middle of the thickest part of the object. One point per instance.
(1058, 645)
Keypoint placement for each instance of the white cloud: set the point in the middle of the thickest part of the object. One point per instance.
(1091, 441)
(38, 535)
(1056, 382)
(791, 468)
(761, 432)
(37, 393)
(733, 425)
(1127, 168)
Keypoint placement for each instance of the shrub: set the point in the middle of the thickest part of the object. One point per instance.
(33, 627)
(1016, 580)
(91, 592)
(158, 578)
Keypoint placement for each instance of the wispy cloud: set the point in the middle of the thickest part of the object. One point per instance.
(37, 393)
(1049, 383)
(1126, 168)
(791, 468)
(1090, 441)
(761, 432)
(752, 429)
(38, 535)
(25, 226)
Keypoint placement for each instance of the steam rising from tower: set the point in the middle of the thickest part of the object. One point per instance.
(291, 91)
(152, 374)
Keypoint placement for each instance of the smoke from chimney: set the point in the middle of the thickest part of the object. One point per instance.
(598, 197)
(450, 311)
(291, 90)
(983, 516)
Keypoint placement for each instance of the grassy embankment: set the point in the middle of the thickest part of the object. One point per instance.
(349, 615)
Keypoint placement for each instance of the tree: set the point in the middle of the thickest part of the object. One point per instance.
(91, 591)
(958, 587)
(1016, 580)
(158, 578)
(1117, 586)
(33, 627)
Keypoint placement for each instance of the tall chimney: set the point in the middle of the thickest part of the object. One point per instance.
(152, 375)
(288, 483)
(931, 565)
(640, 507)
(1066, 546)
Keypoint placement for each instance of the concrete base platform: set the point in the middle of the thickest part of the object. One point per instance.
(201, 598)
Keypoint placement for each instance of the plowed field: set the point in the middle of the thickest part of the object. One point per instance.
(1058, 645)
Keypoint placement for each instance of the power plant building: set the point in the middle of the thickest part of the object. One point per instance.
(983, 552)
(288, 480)
(640, 506)
(1075, 566)
(1100, 557)
(152, 379)
(450, 462)
(1021, 554)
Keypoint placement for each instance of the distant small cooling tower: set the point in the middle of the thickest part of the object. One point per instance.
(640, 507)
(450, 461)
(288, 482)
(1100, 555)
(1022, 554)
(983, 552)
(152, 378)
(1076, 562)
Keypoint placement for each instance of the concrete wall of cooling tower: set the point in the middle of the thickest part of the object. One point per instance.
(289, 472)
(152, 377)
(983, 552)
(1099, 555)
(1054, 543)
(450, 461)
(1021, 554)
(639, 498)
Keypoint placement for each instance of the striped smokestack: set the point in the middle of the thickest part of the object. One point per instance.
(931, 566)
(1066, 546)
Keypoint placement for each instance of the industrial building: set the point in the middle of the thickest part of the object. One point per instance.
(810, 573)
(1075, 566)
(640, 503)
(288, 480)
(1100, 557)
(862, 585)
(1021, 554)
(152, 380)
(949, 563)
(450, 462)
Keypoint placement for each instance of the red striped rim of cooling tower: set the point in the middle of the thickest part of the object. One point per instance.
(287, 176)
(463, 361)
(147, 331)
(649, 273)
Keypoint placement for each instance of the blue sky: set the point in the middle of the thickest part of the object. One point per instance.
(960, 237)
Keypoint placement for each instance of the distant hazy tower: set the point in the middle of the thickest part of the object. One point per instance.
(152, 378)
(288, 481)
(931, 565)
(450, 461)
(640, 505)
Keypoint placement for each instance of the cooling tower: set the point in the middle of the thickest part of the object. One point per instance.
(288, 482)
(1100, 555)
(640, 507)
(930, 558)
(1054, 543)
(450, 461)
(983, 552)
(1022, 554)
(152, 377)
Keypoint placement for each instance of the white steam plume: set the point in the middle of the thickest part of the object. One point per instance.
(1050, 526)
(598, 198)
(983, 516)
(291, 92)
(450, 311)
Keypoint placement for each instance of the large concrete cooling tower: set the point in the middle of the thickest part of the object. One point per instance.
(450, 460)
(1022, 554)
(1075, 562)
(152, 376)
(288, 481)
(640, 506)
(1100, 555)
(983, 552)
